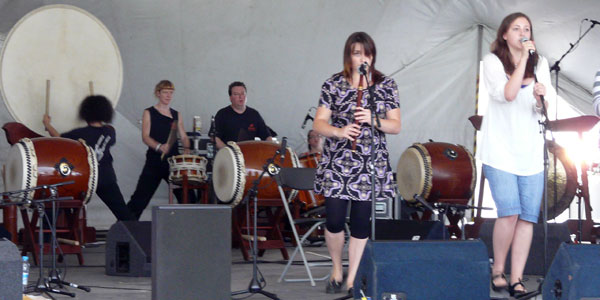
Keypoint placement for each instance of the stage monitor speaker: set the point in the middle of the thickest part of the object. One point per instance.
(574, 273)
(424, 270)
(191, 252)
(11, 271)
(557, 234)
(128, 249)
(410, 230)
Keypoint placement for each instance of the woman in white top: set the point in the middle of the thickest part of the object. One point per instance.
(512, 144)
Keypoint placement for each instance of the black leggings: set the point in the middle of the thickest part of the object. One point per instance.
(360, 215)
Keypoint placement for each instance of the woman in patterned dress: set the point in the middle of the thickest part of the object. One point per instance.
(343, 175)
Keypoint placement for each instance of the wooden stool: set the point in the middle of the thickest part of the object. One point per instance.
(69, 232)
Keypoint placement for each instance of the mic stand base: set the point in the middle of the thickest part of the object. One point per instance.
(254, 286)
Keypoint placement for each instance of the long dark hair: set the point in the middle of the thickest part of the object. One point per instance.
(500, 48)
(370, 50)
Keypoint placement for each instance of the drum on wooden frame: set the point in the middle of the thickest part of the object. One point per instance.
(46, 161)
(192, 166)
(437, 172)
(237, 165)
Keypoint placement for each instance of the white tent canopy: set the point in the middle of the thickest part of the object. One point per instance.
(284, 50)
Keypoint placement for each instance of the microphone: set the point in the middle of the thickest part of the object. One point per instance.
(283, 148)
(308, 117)
(363, 68)
(594, 22)
(531, 51)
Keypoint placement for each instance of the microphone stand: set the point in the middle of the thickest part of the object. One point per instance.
(556, 69)
(374, 118)
(43, 284)
(254, 287)
(544, 125)
(371, 165)
(543, 129)
(53, 274)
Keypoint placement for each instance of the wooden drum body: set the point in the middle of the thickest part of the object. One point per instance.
(45, 161)
(437, 172)
(237, 165)
(309, 198)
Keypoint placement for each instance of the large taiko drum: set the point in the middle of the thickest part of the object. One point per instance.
(192, 166)
(437, 172)
(61, 51)
(46, 161)
(309, 198)
(566, 181)
(237, 165)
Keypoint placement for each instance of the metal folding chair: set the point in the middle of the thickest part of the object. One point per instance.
(298, 179)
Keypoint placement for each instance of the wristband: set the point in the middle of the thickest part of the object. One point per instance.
(157, 147)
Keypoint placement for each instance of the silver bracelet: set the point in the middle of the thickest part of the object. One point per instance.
(157, 147)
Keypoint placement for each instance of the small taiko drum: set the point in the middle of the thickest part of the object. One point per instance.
(309, 198)
(237, 165)
(46, 161)
(192, 166)
(437, 172)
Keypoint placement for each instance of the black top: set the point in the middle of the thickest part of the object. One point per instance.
(160, 127)
(231, 126)
(100, 139)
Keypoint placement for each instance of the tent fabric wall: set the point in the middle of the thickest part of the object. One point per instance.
(284, 50)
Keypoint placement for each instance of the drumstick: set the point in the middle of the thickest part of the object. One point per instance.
(68, 242)
(171, 139)
(48, 96)
(91, 84)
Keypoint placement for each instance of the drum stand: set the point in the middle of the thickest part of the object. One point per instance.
(255, 286)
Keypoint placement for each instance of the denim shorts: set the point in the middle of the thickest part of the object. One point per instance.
(514, 194)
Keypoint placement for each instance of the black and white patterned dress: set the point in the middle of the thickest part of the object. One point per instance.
(343, 173)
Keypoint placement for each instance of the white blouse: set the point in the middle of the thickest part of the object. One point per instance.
(511, 138)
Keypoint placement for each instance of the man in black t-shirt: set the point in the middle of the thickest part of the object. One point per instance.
(239, 122)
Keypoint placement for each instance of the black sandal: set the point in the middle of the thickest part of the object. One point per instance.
(502, 287)
(333, 287)
(516, 293)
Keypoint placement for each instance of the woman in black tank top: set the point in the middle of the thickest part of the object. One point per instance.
(156, 126)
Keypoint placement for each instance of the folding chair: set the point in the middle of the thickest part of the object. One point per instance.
(299, 179)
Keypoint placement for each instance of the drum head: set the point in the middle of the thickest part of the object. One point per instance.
(412, 174)
(21, 167)
(229, 174)
(71, 48)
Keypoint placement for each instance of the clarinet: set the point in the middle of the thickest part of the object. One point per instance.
(359, 96)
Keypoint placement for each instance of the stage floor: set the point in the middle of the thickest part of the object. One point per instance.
(271, 265)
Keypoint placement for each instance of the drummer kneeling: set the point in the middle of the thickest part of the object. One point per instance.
(97, 111)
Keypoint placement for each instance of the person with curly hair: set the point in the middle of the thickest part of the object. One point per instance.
(98, 112)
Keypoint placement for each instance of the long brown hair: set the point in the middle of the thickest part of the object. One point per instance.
(500, 47)
(370, 50)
